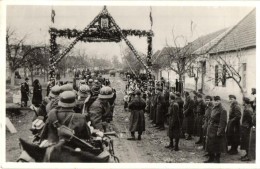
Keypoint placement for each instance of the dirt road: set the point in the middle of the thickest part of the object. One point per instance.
(148, 150)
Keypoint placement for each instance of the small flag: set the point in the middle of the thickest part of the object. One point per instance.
(52, 15)
(151, 17)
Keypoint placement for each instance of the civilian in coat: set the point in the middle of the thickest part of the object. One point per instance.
(37, 93)
(209, 107)
(174, 129)
(233, 127)
(216, 136)
(199, 112)
(160, 109)
(247, 123)
(188, 120)
(137, 120)
(25, 93)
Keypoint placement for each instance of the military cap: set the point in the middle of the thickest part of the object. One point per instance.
(216, 98)
(172, 96)
(55, 91)
(232, 96)
(187, 93)
(84, 91)
(246, 100)
(66, 87)
(105, 93)
(199, 95)
(178, 94)
(67, 99)
(208, 98)
(90, 80)
(138, 92)
(82, 82)
(26, 78)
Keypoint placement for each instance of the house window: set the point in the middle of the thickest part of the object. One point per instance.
(224, 72)
(244, 75)
(216, 75)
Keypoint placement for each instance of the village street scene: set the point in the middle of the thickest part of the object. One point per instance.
(131, 84)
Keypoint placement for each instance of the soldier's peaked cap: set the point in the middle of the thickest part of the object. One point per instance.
(216, 98)
(208, 98)
(232, 96)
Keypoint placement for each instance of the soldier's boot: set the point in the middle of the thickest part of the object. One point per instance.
(176, 147)
(217, 158)
(170, 146)
(139, 135)
(132, 136)
(211, 158)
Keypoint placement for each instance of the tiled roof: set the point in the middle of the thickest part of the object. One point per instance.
(204, 43)
(242, 35)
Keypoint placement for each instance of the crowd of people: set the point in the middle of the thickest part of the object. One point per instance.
(202, 116)
(187, 114)
(82, 108)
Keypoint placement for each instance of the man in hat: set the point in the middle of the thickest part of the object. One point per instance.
(137, 119)
(25, 93)
(216, 138)
(247, 123)
(100, 112)
(188, 120)
(199, 115)
(160, 108)
(65, 115)
(174, 129)
(233, 127)
(209, 107)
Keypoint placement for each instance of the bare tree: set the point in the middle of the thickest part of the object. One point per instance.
(16, 51)
(179, 59)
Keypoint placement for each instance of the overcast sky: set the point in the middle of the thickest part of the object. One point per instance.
(36, 20)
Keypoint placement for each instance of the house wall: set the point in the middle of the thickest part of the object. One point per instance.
(248, 57)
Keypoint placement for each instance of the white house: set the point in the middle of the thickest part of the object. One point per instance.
(237, 47)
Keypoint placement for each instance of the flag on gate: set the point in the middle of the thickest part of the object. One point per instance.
(52, 15)
(151, 17)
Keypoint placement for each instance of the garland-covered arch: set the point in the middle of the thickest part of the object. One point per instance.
(102, 29)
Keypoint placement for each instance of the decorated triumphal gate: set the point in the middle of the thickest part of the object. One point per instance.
(102, 29)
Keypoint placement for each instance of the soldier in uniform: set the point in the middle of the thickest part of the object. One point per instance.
(160, 108)
(180, 103)
(174, 129)
(100, 112)
(209, 107)
(199, 115)
(65, 115)
(233, 127)
(216, 136)
(188, 116)
(25, 93)
(137, 120)
(247, 123)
